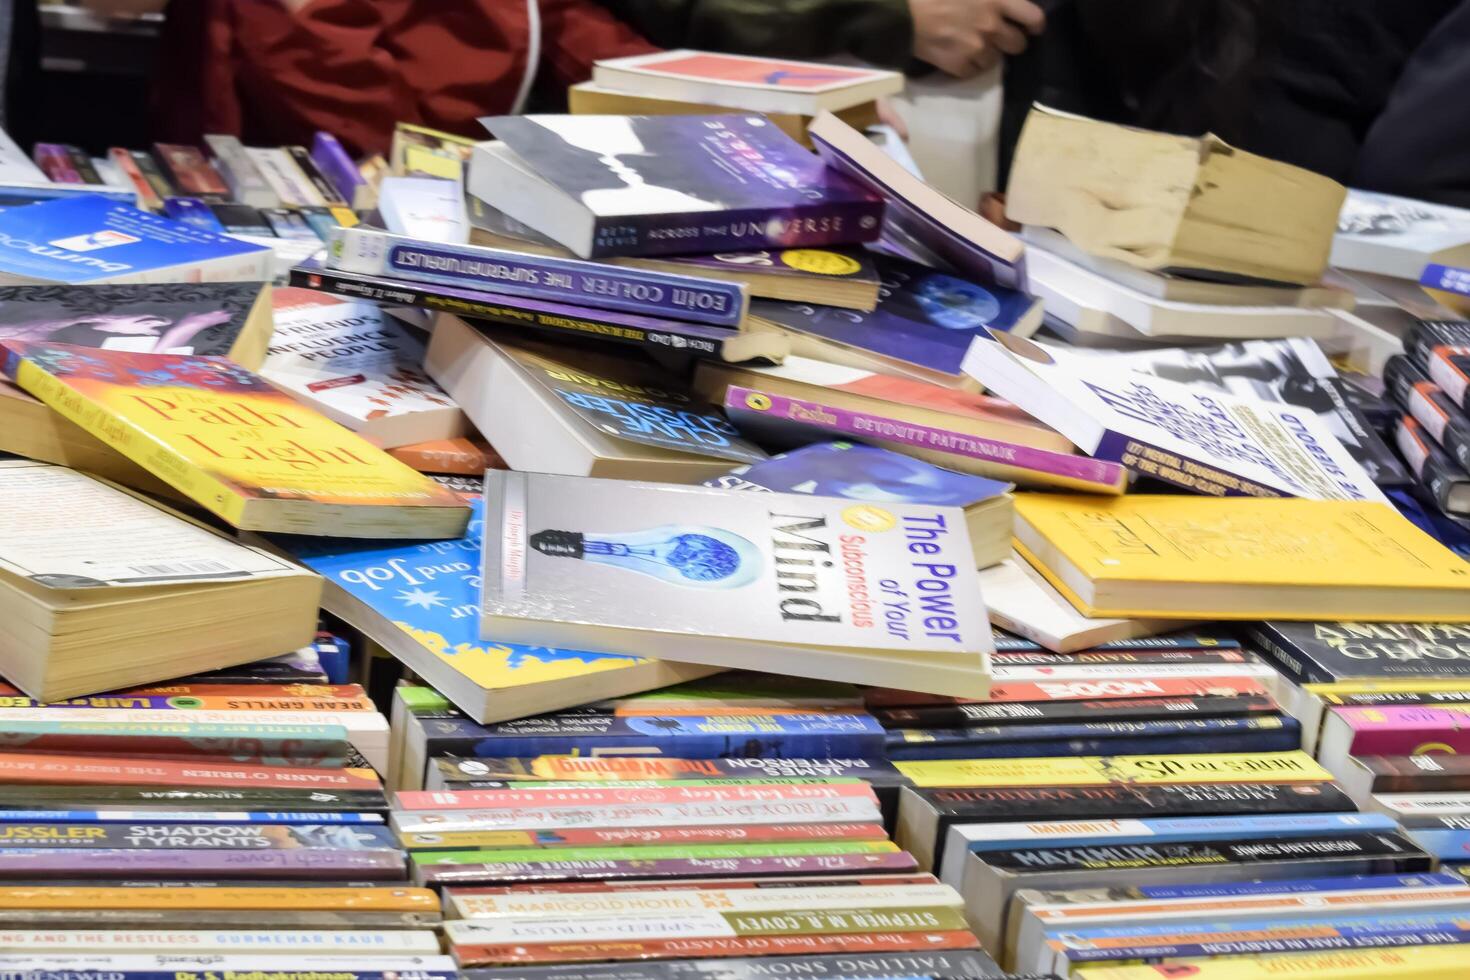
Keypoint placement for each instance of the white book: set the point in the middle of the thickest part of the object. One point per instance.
(1020, 600)
(285, 178)
(426, 208)
(358, 366)
(550, 904)
(16, 166)
(720, 814)
(1398, 236)
(235, 961)
(368, 944)
(1093, 303)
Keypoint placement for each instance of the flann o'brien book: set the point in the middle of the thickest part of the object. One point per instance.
(809, 586)
(238, 447)
(667, 185)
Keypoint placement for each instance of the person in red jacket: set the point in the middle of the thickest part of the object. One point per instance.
(275, 71)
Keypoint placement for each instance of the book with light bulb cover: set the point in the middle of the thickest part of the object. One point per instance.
(555, 409)
(811, 586)
(925, 324)
(1206, 442)
(1255, 559)
(235, 445)
(367, 251)
(420, 601)
(358, 366)
(667, 185)
(867, 473)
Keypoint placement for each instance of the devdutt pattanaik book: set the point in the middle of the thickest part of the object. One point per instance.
(809, 586)
(229, 441)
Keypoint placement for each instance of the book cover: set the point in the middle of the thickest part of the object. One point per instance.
(1328, 652)
(234, 444)
(643, 291)
(794, 421)
(669, 185)
(216, 319)
(1291, 372)
(1398, 236)
(424, 208)
(358, 366)
(654, 335)
(925, 318)
(776, 581)
(1281, 549)
(333, 161)
(1205, 442)
(747, 80)
(94, 240)
(857, 472)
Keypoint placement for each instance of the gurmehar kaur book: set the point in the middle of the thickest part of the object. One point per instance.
(238, 447)
(825, 587)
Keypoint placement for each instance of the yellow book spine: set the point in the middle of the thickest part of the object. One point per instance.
(137, 445)
(1264, 767)
(394, 898)
(1421, 686)
(1399, 963)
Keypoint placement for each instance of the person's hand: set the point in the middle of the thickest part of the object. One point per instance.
(965, 37)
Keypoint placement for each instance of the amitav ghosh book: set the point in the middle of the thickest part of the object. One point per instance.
(809, 586)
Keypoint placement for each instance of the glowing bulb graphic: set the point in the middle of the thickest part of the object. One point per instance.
(689, 555)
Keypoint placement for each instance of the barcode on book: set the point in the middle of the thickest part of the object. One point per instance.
(197, 567)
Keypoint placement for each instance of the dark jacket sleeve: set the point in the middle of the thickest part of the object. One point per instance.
(877, 31)
(1416, 146)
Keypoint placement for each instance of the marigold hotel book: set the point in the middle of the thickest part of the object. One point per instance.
(1194, 557)
(100, 589)
(808, 586)
(235, 445)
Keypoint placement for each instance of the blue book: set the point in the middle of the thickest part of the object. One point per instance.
(1167, 829)
(667, 185)
(776, 736)
(1294, 886)
(1450, 846)
(1345, 924)
(1269, 734)
(925, 323)
(1448, 935)
(92, 239)
(420, 601)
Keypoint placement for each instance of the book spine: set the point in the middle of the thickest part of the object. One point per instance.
(1126, 857)
(56, 163)
(1008, 460)
(82, 164)
(193, 836)
(182, 701)
(1313, 939)
(922, 745)
(611, 869)
(1059, 802)
(1430, 406)
(286, 180)
(203, 816)
(325, 188)
(336, 865)
(321, 748)
(14, 796)
(1449, 367)
(608, 836)
(1426, 335)
(149, 199)
(154, 456)
(1113, 709)
(38, 767)
(1444, 479)
(247, 185)
(144, 163)
(1298, 668)
(594, 928)
(1232, 889)
(1018, 658)
(641, 291)
(636, 816)
(1181, 642)
(335, 163)
(1159, 463)
(934, 963)
(595, 796)
(557, 319)
(1449, 845)
(1406, 731)
(680, 746)
(191, 172)
(680, 852)
(357, 942)
(503, 907)
(747, 230)
(469, 955)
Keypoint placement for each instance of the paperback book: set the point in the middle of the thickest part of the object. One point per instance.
(1332, 652)
(782, 582)
(667, 185)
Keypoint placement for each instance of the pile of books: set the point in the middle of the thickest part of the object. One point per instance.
(709, 551)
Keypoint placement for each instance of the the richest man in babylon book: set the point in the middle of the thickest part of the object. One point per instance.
(810, 586)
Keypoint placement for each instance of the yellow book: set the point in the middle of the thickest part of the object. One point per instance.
(1400, 963)
(239, 448)
(1422, 685)
(1189, 557)
(1094, 770)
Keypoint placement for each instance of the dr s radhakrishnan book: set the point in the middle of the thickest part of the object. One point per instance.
(809, 586)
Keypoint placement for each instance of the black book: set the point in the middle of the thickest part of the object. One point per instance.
(1419, 396)
(925, 815)
(1047, 712)
(1426, 335)
(1325, 653)
(1443, 479)
(958, 963)
(82, 164)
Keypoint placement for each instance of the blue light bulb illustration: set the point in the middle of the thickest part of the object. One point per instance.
(689, 555)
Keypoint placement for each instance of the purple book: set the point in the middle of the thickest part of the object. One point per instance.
(335, 865)
(769, 417)
(337, 166)
(667, 185)
(509, 872)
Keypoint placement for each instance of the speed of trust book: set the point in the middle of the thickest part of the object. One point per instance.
(1262, 767)
(1399, 963)
(821, 587)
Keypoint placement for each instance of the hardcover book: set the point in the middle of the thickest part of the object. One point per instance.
(235, 445)
(91, 240)
(656, 336)
(1208, 443)
(659, 294)
(919, 220)
(1210, 558)
(866, 473)
(667, 185)
(746, 83)
(779, 582)
(925, 324)
(420, 601)
(358, 366)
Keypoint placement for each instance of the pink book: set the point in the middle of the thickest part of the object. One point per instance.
(1395, 730)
